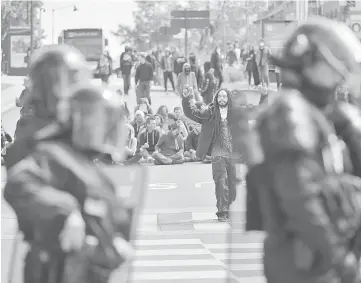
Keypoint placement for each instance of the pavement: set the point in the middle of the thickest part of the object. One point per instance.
(178, 238)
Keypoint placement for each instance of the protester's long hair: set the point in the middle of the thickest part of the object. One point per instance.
(216, 117)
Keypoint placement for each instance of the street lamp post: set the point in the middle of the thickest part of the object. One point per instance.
(53, 19)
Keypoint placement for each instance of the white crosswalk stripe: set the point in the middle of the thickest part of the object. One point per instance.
(193, 260)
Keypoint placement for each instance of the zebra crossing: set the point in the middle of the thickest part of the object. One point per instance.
(198, 259)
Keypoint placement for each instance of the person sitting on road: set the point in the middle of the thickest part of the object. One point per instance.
(144, 106)
(191, 144)
(169, 149)
(131, 143)
(138, 123)
(148, 139)
(172, 118)
(163, 111)
(160, 124)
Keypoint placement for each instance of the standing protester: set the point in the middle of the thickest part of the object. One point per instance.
(251, 67)
(53, 71)
(278, 70)
(209, 85)
(187, 79)
(104, 68)
(195, 68)
(262, 56)
(216, 60)
(238, 52)
(167, 66)
(231, 56)
(56, 193)
(179, 61)
(309, 192)
(215, 136)
(143, 76)
(126, 64)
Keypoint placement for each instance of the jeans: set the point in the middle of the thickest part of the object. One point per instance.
(168, 75)
(143, 91)
(224, 177)
(126, 81)
(264, 75)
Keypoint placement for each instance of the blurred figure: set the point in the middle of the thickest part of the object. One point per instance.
(216, 60)
(191, 145)
(251, 67)
(262, 57)
(56, 190)
(195, 68)
(144, 106)
(53, 71)
(308, 186)
(210, 85)
(231, 56)
(167, 66)
(143, 78)
(126, 64)
(104, 68)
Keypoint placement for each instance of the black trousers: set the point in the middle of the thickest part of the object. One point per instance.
(168, 75)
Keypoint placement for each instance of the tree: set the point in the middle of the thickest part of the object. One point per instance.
(16, 13)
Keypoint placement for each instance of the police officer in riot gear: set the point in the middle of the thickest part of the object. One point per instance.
(297, 164)
(53, 70)
(67, 208)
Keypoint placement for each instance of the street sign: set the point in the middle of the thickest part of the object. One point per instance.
(190, 14)
(190, 23)
(169, 31)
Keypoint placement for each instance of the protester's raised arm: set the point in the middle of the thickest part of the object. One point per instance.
(195, 114)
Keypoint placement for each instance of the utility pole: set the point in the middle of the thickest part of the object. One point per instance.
(247, 19)
(186, 33)
(31, 26)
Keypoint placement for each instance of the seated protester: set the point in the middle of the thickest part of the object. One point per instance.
(138, 123)
(182, 128)
(169, 149)
(159, 121)
(144, 106)
(131, 143)
(191, 144)
(148, 139)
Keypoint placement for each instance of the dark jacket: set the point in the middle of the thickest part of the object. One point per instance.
(303, 244)
(144, 73)
(178, 64)
(192, 141)
(209, 88)
(150, 138)
(216, 61)
(126, 63)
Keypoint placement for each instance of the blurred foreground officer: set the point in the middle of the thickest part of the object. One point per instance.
(309, 194)
(67, 208)
(53, 69)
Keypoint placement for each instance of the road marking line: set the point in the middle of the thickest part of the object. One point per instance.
(199, 185)
(162, 186)
(139, 253)
(176, 263)
(221, 226)
(204, 216)
(233, 256)
(246, 267)
(153, 276)
(165, 242)
(256, 246)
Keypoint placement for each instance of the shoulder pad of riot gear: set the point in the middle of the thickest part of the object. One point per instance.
(288, 125)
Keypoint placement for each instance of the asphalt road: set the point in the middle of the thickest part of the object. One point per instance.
(178, 239)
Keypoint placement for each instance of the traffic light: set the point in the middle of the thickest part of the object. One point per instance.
(351, 3)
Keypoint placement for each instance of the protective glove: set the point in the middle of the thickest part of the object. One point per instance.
(73, 234)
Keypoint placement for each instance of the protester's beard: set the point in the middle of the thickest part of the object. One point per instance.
(222, 104)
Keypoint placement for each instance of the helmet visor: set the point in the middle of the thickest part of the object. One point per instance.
(99, 128)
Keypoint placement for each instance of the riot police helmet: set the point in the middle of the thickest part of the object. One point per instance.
(319, 56)
(97, 121)
(53, 70)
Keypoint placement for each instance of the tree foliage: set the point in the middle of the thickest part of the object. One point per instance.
(16, 13)
(229, 18)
